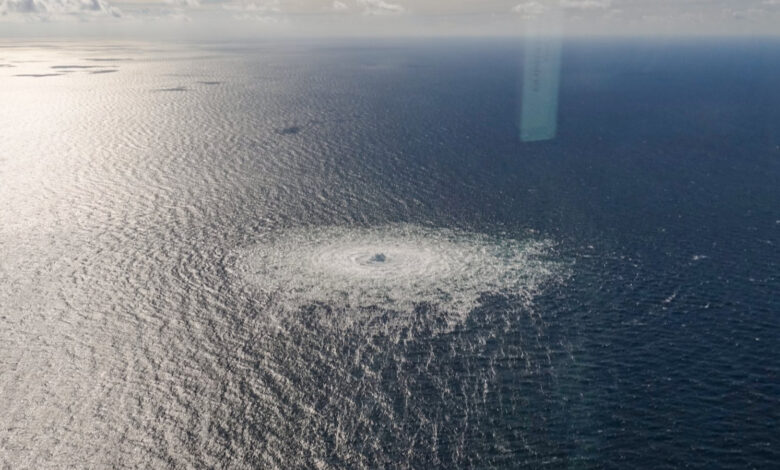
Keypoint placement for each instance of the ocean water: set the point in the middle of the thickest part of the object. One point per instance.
(342, 255)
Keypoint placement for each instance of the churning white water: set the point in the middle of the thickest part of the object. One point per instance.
(395, 268)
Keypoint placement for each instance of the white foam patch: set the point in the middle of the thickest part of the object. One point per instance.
(396, 268)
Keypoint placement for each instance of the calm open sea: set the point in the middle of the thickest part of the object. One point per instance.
(342, 255)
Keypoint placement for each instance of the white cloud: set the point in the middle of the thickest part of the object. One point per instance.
(748, 14)
(184, 3)
(53, 9)
(586, 4)
(268, 12)
(179, 17)
(259, 6)
(440, 16)
(529, 9)
(380, 7)
(260, 18)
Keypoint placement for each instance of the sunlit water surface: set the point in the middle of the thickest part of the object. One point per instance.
(332, 256)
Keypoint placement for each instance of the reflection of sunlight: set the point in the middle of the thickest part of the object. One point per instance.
(541, 76)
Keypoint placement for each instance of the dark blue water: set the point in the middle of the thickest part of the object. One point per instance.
(664, 185)
(657, 344)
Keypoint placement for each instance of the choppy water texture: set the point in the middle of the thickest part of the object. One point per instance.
(341, 255)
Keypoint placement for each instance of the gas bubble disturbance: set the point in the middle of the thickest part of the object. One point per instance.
(395, 268)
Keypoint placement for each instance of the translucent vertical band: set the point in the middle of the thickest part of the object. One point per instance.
(541, 79)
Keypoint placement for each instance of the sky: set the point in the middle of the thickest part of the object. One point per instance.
(226, 19)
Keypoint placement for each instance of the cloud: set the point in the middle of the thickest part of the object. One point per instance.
(380, 7)
(184, 3)
(529, 9)
(586, 4)
(268, 12)
(262, 11)
(49, 9)
(259, 6)
(746, 14)
(265, 19)
(438, 16)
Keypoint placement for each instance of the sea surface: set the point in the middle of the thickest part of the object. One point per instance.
(342, 255)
